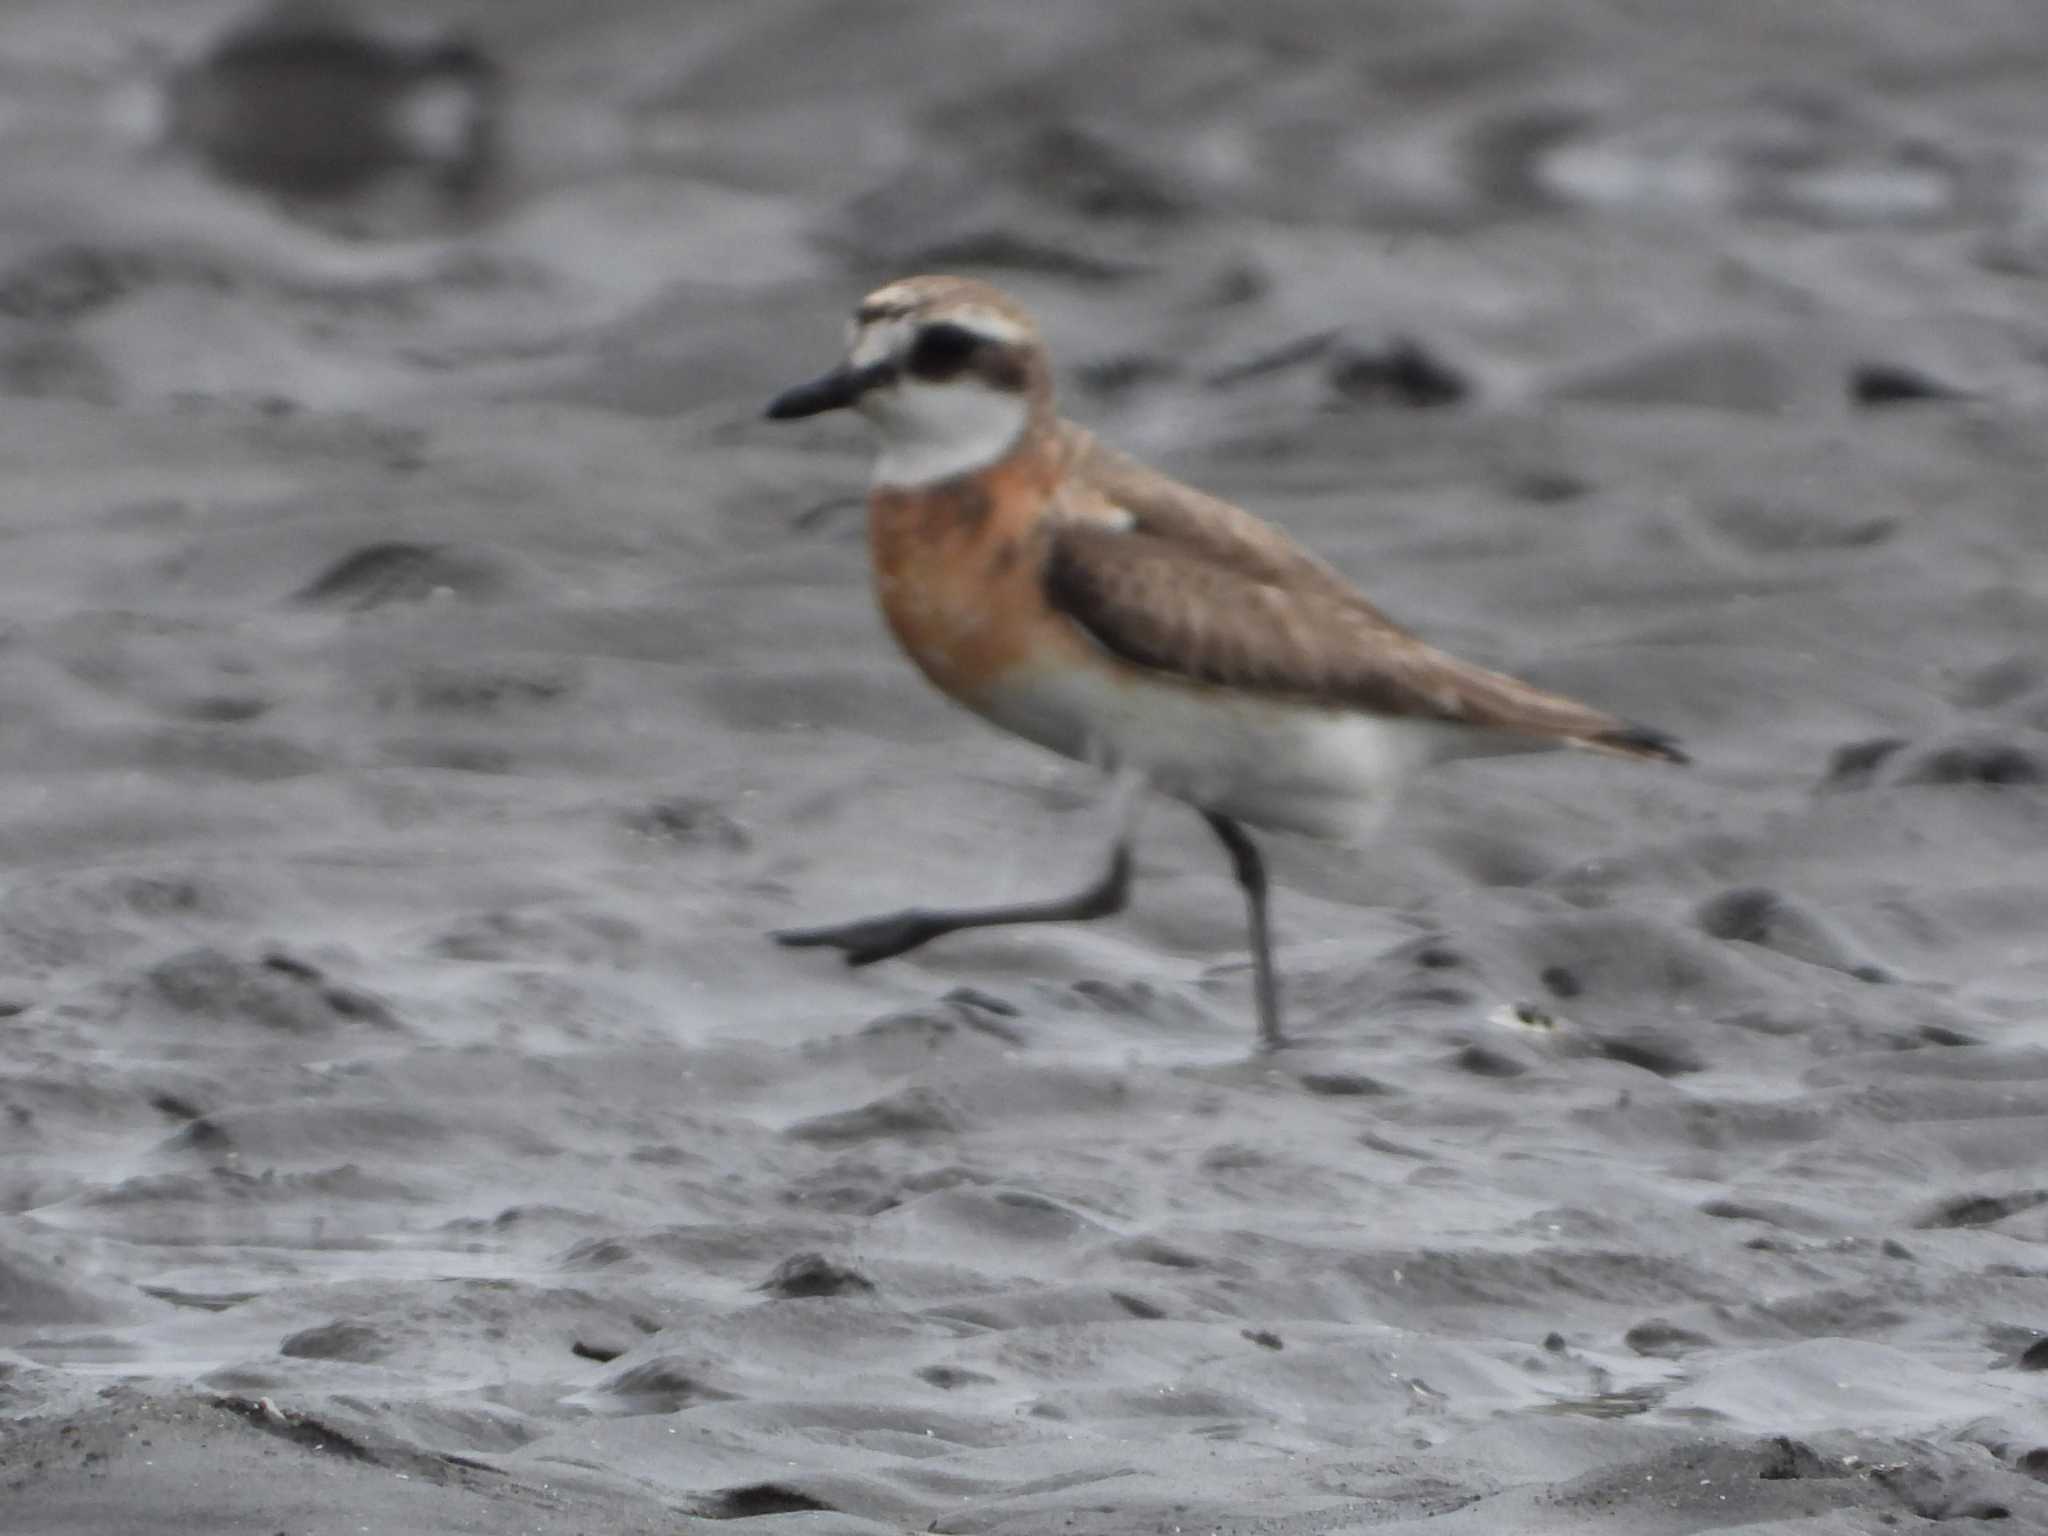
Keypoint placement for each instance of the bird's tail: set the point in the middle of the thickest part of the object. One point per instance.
(1639, 741)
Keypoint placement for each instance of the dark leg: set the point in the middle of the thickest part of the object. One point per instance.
(869, 939)
(1251, 875)
(877, 938)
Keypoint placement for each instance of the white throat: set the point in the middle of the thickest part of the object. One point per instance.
(933, 432)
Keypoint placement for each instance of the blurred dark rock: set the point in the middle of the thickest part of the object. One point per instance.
(1404, 372)
(1399, 371)
(758, 1500)
(1980, 1210)
(1653, 1050)
(1986, 761)
(398, 572)
(1879, 384)
(1664, 1340)
(812, 1274)
(1855, 764)
(916, 1112)
(337, 1341)
(1487, 1061)
(305, 103)
(1760, 916)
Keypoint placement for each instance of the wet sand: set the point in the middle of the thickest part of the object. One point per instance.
(425, 680)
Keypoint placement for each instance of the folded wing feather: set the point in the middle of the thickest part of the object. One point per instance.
(1192, 586)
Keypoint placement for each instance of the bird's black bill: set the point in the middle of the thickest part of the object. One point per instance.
(829, 392)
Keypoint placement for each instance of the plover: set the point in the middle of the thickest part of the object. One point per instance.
(1093, 605)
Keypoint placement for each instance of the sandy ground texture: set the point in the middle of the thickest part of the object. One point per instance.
(423, 679)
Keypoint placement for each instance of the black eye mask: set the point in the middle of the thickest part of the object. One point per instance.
(941, 351)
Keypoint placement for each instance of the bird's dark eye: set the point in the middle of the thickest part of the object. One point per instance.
(941, 350)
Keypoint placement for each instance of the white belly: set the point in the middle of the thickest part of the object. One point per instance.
(1331, 773)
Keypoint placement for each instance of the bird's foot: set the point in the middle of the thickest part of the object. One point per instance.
(869, 938)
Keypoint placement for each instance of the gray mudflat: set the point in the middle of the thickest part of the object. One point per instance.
(424, 681)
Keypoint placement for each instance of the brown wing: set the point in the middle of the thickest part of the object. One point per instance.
(1194, 520)
(1173, 606)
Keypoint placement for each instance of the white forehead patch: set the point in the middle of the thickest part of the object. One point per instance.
(895, 296)
(876, 340)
